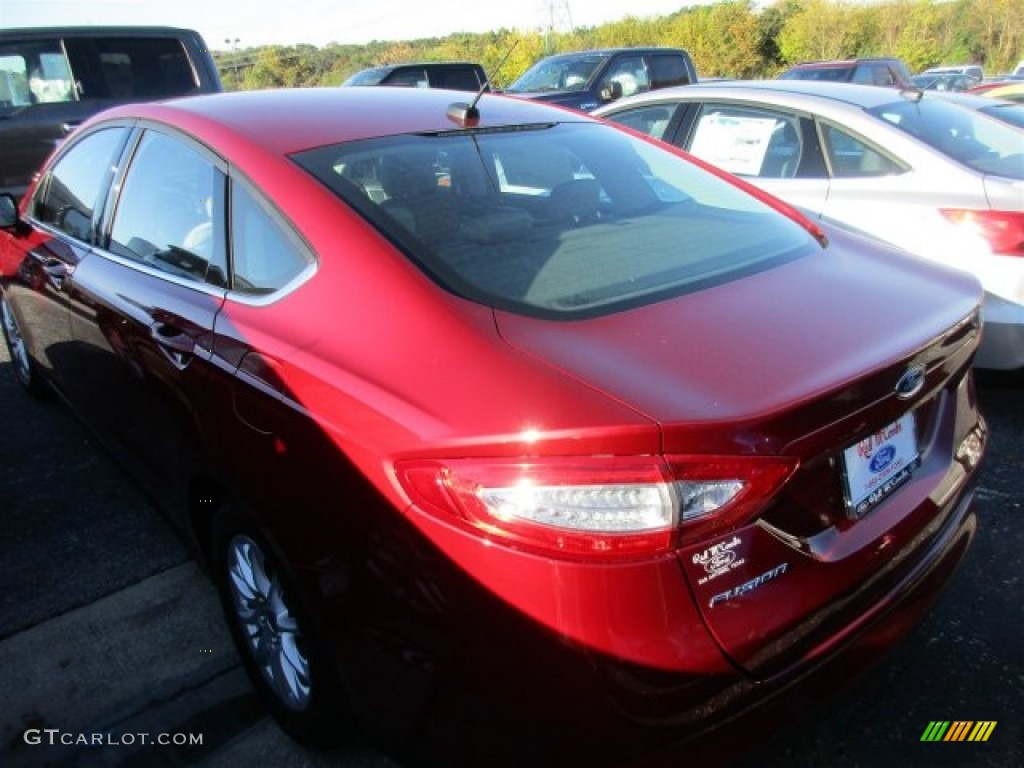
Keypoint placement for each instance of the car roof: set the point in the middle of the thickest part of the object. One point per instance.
(863, 96)
(431, 64)
(290, 120)
(611, 51)
(142, 30)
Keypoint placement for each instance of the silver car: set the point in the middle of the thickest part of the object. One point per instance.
(921, 172)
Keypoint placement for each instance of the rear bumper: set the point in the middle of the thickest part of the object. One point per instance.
(788, 696)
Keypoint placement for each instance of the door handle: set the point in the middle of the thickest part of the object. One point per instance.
(177, 346)
(57, 271)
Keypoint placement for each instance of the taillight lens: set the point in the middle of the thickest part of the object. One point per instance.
(1002, 230)
(596, 506)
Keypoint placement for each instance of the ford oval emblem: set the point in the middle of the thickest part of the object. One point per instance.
(910, 383)
(882, 459)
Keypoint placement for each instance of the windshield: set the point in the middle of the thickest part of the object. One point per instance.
(561, 73)
(833, 74)
(368, 76)
(557, 221)
(968, 137)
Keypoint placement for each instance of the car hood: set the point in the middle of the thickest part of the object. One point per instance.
(576, 99)
(760, 346)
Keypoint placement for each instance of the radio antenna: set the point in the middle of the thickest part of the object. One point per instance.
(467, 114)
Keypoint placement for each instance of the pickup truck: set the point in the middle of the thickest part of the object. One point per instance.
(52, 79)
(586, 80)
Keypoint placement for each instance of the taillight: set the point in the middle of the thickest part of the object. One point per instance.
(1003, 231)
(598, 506)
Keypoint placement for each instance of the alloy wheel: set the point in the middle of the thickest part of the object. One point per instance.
(16, 344)
(268, 623)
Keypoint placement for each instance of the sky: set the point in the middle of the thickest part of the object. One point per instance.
(318, 22)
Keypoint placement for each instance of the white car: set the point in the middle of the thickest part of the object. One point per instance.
(921, 172)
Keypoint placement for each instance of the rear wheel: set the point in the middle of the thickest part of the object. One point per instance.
(24, 368)
(273, 637)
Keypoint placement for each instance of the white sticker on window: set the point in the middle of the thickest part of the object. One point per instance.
(735, 144)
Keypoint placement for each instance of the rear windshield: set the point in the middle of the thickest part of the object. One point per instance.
(980, 142)
(561, 220)
(1008, 113)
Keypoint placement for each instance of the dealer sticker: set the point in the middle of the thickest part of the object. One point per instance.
(879, 464)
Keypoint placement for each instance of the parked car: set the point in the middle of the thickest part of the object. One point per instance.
(1007, 92)
(887, 72)
(454, 75)
(970, 70)
(943, 82)
(51, 79)
(1009, 112)
(502, 423)
(585, 80)
(914, 169)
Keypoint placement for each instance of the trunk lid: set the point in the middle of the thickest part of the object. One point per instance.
(807, 360)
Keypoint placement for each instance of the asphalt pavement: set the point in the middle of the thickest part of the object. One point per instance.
(107, 627)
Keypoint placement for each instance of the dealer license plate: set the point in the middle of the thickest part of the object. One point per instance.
(879, 464)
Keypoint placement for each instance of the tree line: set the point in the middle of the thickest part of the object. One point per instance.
(726, 39)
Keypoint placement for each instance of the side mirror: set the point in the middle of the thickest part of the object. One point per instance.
(8, 212)
(612, 91)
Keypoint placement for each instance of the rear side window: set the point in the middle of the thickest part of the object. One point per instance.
(849, 157)
(455, 78)
(127, 68)
(67, 198)
(668, 70)
(265, 254)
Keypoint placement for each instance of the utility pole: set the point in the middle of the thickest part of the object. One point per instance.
(233, 44)
(557, 18)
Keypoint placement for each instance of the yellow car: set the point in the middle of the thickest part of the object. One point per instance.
(1012, 92)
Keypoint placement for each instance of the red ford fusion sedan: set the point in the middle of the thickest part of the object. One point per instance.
(507, 435)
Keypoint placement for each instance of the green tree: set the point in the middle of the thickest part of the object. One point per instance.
(819, 30)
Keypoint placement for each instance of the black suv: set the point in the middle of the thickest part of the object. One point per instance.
(586, 80)
(52, 79)
(887, 72)
(455, 75)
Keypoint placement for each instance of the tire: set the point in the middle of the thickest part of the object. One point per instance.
(272, 635)
(22, 363)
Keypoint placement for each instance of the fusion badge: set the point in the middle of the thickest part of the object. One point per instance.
(749, 586)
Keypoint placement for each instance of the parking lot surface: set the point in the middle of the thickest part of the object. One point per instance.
(106, 627)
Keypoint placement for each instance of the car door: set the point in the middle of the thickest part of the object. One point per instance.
(773, 148)
(39, 262)
(149, 297)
